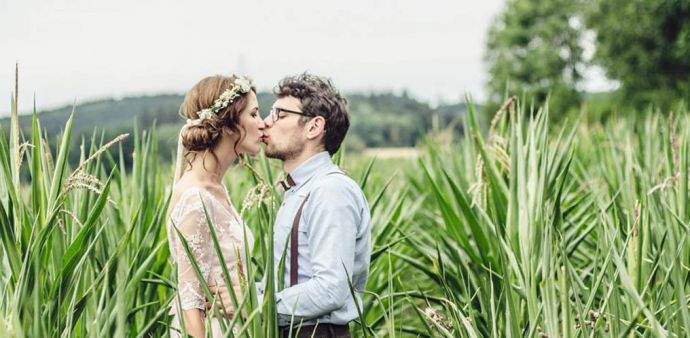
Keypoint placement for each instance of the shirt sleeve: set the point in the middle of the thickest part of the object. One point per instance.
(194, 228)
(331, 217)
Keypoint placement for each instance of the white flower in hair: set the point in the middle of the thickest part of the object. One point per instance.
(205, 114)
(241, 85)
(193, 122)
(225, 96)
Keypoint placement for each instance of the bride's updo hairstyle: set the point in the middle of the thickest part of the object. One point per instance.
(203, 133)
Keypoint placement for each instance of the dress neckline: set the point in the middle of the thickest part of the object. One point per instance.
(232, 211)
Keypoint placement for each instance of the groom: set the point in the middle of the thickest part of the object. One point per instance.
(324, 218)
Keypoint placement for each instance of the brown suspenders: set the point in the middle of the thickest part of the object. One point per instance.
(294, 239)
(294, 243)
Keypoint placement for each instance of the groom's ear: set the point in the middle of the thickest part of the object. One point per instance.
(316, 127)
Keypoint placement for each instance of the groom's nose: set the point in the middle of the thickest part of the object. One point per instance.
(268, 121)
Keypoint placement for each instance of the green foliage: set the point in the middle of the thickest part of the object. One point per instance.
(529, 231)
(533, 48)
(645, 45)
(523, 231)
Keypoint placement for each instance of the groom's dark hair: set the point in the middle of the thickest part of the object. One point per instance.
(319, 97)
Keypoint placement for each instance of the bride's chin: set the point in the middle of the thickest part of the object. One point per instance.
(251, 152)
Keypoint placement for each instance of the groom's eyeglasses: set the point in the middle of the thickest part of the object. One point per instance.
(275, 113)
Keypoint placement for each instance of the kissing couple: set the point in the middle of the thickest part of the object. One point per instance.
(322, 227)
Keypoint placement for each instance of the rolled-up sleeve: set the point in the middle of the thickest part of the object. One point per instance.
(331, 217)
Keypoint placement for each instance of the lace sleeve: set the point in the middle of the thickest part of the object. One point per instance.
(194, 228)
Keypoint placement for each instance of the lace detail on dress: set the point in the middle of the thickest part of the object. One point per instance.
(189, 218)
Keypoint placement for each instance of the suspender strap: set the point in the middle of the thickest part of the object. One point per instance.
(294, 238)
(294, 244)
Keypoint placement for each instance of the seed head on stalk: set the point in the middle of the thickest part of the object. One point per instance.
(670, 180)
(259, 194)
(74, 217)
(477, 187)
(22, 149)
(78, 179)
(433, 316)
(46, 153)
(497, 146)
(499, 114)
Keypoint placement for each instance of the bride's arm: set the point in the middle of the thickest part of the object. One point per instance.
(194, 323)
(193, 227)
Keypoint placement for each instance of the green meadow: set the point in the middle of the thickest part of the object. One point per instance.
(521, 229)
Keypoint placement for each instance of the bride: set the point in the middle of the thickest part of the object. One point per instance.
(223, 122)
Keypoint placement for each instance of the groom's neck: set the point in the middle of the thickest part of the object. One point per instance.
(292, 164)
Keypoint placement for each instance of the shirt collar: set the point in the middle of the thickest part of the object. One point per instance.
(310, 167)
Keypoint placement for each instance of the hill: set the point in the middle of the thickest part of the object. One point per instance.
(377, 120)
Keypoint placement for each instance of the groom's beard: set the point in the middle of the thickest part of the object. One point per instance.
(284, 154)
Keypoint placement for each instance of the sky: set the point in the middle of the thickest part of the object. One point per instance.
(85, 50)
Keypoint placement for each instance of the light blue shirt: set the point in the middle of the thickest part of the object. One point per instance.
(334, 235)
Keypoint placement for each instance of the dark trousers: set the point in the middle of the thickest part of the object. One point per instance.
(317, 331)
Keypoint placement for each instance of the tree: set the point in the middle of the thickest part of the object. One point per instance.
(534, 49)
(646, 46)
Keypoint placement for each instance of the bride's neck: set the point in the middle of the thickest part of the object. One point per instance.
(209, 168)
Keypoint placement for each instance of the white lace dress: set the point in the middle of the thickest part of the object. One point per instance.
(189, 217)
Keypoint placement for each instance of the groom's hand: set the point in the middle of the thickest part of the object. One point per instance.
(224, 299)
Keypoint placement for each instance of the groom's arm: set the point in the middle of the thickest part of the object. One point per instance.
(331, 219)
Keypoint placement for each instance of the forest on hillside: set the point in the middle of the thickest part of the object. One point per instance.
(377, 120)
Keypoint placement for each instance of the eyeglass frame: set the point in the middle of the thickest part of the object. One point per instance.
(273, 113)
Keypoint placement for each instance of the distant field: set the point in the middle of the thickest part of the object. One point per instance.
(397, 152)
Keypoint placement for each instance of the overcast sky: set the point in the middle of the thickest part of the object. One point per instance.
(85, 50)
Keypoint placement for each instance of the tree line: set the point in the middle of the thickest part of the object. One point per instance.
(377, 120)
(541, 49)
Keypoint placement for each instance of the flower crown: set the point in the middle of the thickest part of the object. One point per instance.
(241, 85)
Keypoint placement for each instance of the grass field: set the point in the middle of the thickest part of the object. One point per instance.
(524, 230)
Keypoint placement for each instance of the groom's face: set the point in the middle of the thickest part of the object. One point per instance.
(285, 137)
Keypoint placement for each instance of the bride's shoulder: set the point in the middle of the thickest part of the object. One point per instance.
(186, 198)
(188, 187)
(196, 193)
(183, 191)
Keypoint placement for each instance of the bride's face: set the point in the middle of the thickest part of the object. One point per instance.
(253, 125)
